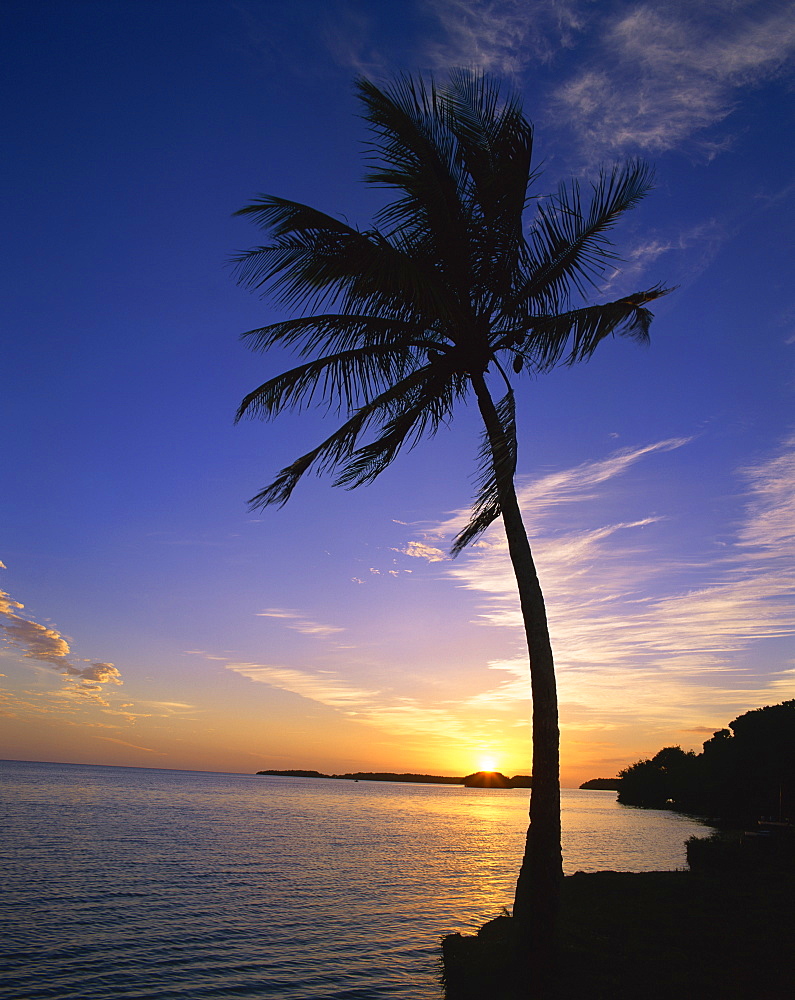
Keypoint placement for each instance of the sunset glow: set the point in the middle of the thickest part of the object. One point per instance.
(150, 619)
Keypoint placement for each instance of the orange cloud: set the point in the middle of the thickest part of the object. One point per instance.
(47, 645)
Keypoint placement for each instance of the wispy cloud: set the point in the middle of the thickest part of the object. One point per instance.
(648, 77)
(693, 248)
(502, 36)
(626, 77)
(296, 621)
(134, 746)
(626, 616)
(539, 497)
(325, 687)
(648, 635)
(170, 705)
(771, 525)
(660, 75)
(349, 37)
(369, 706)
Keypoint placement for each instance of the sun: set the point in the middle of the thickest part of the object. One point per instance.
(487, 762)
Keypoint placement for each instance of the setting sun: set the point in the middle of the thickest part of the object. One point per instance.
(487, 763)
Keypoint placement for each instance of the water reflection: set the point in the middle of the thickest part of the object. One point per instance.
(173, 884)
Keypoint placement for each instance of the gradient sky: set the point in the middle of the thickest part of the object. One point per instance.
(152, 620)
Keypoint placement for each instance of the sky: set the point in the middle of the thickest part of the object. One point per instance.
(151, 619)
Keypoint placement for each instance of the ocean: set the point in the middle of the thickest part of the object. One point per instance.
(141, 884)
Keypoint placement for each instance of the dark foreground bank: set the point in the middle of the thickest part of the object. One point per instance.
(655, 935)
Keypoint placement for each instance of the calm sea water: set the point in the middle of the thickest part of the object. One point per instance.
(138, 883)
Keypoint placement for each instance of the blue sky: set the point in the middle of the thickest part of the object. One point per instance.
(151, 619)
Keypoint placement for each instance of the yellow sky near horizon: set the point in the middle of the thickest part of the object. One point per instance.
(650, 652)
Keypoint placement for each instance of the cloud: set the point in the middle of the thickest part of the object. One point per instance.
(134, 746)
(647, 77)
(771, 525)
(567, 486)
(662, 74)
(326, 688)
(410, 717)
(419, 550)
(98, 673)
(348, 36)
(38, 641)
(171, 705)
(295, 621)
(650, 632)
(502, 36)
(705, 239)
(639, 631)
(368, 706)
(47, 645)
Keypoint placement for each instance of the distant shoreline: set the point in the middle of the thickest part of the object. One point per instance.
(602, 784)
(479, 779)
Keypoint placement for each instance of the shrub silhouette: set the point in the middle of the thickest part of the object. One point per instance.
(744, 773)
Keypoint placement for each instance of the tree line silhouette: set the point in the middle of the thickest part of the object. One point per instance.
(744, 773)
(479, 779)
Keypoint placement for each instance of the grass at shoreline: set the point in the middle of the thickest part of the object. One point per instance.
(654, 935)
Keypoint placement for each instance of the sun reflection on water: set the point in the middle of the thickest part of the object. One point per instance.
(295, 876)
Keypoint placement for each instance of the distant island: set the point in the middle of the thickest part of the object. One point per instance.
(496, 779)
(479, 779)
(602, 784)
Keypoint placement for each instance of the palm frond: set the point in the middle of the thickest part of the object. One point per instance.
(496, 462)
(420, 415)
(569, 337)
(414, 152)
(336, 449)
(331, 332)
(356, 272)
(570, 244)
(495, 144)
(398, 321)
(344, 381)
(282, 217)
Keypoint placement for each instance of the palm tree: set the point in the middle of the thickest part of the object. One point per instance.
(450, 294)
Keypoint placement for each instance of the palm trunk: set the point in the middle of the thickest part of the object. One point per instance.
(538, 887)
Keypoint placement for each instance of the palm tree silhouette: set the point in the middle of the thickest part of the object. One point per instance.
(451, 293)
